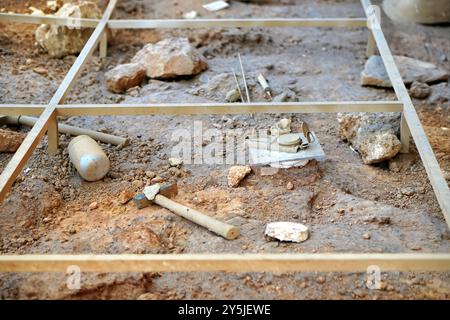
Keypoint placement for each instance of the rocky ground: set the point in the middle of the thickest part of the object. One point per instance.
(348, 206)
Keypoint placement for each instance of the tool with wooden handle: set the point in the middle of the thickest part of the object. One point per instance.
(265, 85)
(64, 128)
(159, 194)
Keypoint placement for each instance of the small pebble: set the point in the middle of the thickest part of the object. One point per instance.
(320, 280)
(93, 205)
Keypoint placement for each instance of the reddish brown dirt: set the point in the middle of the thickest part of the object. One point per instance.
(340, 199)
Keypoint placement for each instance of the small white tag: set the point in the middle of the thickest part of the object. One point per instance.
(216, 5)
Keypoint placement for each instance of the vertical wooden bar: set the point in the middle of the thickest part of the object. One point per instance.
(103, 47)
(53, 135)
(405, 134)
(371, 45)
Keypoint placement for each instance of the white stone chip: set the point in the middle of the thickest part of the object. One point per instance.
(150, 192)
(216, 5)
(287, 231)
(190, 15)
(175, 162)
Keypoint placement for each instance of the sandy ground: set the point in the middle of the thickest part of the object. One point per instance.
(340, 198)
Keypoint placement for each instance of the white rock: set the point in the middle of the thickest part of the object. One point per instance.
(190, 15)
(216, 5)
(60, 41)
(151, 191)
(373, 135)
(170, 58)
(53, 5)
(175, 162)
(411, 70)
(233, 96)
(36, 12)
(237, 174)
(287, 231)
(124, 76)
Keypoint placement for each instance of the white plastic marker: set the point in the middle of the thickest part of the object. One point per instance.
(88, 158)
(216, 5)
(263, 82)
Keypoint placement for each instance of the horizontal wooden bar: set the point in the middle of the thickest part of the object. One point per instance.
(320, 262)
(21, 109)
(236, 23)
(61, 21)
(228, 108)
(206, 108)
(187, 23)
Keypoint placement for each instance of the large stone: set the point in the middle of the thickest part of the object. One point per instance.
(60, 41)
(10, 141)
(170, 58)
(374, 135)
(237, 174)
(374, 73)
(124, 77)
(419, 11)
(378, 147)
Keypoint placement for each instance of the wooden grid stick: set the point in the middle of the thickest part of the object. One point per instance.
(103, 46)
(410, 123)
(236, 23)
(186, 23)
(54, 20)
(285, 262)
(205, 108)
(229, 108)
(371, 45)
(21, 109)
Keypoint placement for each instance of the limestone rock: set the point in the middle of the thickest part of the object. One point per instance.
(237, 174)
(60, 41)
(419, 90)
(124, 76)
(10, 141)
(379, 147)
(174, 162)
(125, 196)
(93, 205)
(170, 58)
(53, 5)
(287, 231)
(374, 135)
(411, 70)
(233, 96)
